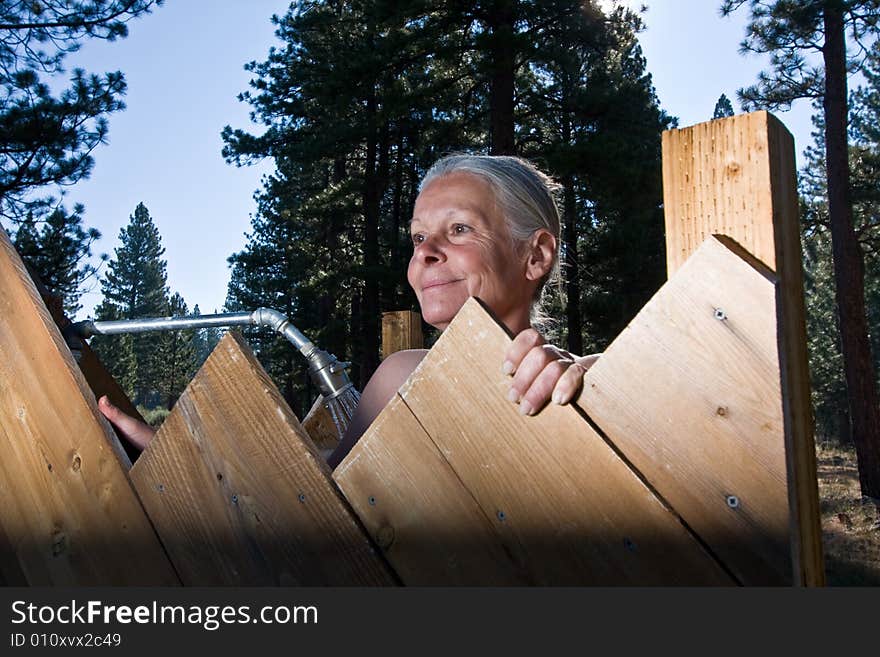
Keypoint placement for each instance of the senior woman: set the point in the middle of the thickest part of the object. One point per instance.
(482, 226)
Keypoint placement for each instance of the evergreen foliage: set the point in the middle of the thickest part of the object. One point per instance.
(362, 98)
(116, 351)
(47, 140)
(826, 361)
(58, 249)
(176, 356)
(723, 108)
(135, 286)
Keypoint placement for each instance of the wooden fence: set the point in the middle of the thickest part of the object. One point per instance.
(686, 460)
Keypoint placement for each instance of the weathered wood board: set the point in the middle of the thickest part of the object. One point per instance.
(318, 424)
(737, 177)
(690, 394)
(401, 329)
(99, 379)
(552, 494)
(413, 504)
(238, 492)
(69, 514)
(717, 179)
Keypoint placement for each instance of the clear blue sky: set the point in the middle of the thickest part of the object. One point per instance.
(184, 68)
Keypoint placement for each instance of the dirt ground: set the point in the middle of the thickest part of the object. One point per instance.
(850, 523)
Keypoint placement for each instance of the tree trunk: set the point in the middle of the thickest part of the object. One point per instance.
(370, 302)
(571, 271)
(501, 104)
(397, 263)
(849, 268)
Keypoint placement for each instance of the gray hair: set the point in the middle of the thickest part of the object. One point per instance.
(525, 196)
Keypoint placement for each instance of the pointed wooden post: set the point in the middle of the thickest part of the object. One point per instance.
(401, 329)
(736, 177)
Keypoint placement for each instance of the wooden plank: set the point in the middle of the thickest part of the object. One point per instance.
(690, 394)
(99, 379)
(238, 492)
(737, 177)
(69, 515)
(565, 507)
(318, 424)
(716, 179)
(800, 448)
(401, 329)
(413, 504)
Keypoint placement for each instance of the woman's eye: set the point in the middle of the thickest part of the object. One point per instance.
(418, 238)
(459, 229)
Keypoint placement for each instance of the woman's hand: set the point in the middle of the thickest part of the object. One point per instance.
(136, 432)
(542, 372)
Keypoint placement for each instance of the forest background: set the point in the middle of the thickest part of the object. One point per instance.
(350, 107)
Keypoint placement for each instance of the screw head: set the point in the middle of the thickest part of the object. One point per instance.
(372, 501)
(235, 499)
(733, 501)
(501, 516)
(720, 315)
(302, 497)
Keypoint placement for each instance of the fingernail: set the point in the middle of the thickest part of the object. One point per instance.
(513, 395)
(507, 367)
(557, 397)
(525, 408)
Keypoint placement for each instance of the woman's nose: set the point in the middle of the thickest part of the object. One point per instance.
(431, 249)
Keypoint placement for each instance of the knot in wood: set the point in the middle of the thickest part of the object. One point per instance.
(385, 536)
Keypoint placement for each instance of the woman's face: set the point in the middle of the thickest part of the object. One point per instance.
(461, 248)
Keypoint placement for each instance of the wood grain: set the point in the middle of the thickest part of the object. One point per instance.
(99, 379)
(239, 493)
(690, 394)
(566, 509)
(736, 177)
(69, 515)
(716, 180)
(319, 425)
(415, 507)
(401, 329)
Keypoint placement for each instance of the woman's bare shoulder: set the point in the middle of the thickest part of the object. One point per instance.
(395, 370)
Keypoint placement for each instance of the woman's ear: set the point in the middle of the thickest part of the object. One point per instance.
(542, 251)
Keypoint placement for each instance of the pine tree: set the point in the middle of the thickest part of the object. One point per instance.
(723, 108)
(826, 364)
(204, 340)
(177, 355)
(47, 140)
(58, 248)
(791, 31)
(116, 351)
(135, 285)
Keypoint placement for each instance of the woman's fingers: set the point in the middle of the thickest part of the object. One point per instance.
(542, 372)
(522, 344)
(536, 377)
(136, 432)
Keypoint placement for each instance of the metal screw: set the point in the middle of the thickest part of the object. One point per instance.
(732, 501)
(235, 499)
(501, 516)
(161, 488)
(372, 501)
(720, 315)
(629, 545)
(302, 497)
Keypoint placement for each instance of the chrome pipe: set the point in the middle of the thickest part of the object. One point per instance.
(326, 370)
